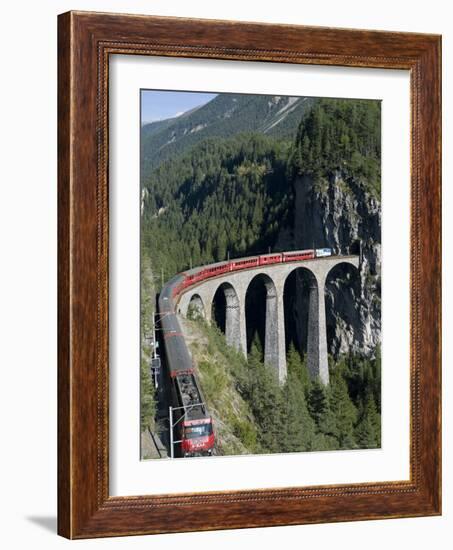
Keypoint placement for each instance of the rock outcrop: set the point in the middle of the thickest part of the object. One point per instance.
(343, 214)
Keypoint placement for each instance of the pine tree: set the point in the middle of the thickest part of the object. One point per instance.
(320, 410)
(221, 246)
(196, 253)
(343, 411)
(367, 432)
(298, 427)
(318, 404)
(297, 366)
(266, 402)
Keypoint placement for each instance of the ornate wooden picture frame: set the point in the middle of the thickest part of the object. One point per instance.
(85, 507)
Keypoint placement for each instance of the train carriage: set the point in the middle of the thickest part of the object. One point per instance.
(266, 259)
(246, 263)
(298, 255)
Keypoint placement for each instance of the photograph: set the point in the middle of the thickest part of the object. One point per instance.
(260, 266)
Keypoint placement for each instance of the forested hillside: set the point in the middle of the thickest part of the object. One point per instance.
(225, 116)
(340, 136)
(224, 196)
(254, 414)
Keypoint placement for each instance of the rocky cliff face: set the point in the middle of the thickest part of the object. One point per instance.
(341, 213)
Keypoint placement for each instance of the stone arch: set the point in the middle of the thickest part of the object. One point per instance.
(226, 313)
(343, 294)
(196, 309)
(264, 305)
(345, 264)
(259, 287)
(296, 292)
(305, 316)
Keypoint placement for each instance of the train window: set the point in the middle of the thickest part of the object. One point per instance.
(201, 430)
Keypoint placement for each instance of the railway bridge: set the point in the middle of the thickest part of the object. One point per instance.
(235, 284)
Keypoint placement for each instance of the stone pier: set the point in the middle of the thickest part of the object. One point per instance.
(317, 358)
(232, 317)
(274, 339)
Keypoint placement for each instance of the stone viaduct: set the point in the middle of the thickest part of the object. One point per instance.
(235, 284)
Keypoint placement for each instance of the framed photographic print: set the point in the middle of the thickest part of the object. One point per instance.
(249, 275)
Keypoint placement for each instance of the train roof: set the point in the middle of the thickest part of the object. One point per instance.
(304, 251)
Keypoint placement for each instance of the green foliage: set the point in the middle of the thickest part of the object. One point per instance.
(344, 413)
(246, 432)
(265, 400)
(215, 379)
(222, 370)
(363, 377)
(194, 313)
(225, 197)
(367, 432)
(298, 427)
(301, 414)
(295, 365)
(147, 399)
(318, 405)
(324, 442)
(340, 135)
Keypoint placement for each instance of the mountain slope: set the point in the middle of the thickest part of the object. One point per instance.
(224, 116)
(224, 196)
(251, 192)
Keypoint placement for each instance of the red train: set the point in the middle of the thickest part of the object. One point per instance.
(193, 423)
(247, 263)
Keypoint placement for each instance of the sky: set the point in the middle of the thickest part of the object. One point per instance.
(159, 105)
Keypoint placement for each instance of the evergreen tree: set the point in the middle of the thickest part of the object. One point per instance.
(298, 427)
(367, 432)
(295, 365)
(266, 402)
(318, 404)
(343, 411)
(221, 246)
(324, 442)
(321, 412)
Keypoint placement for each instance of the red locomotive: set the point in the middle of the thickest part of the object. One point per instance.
(192, 420)
(197, 437)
